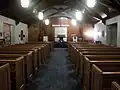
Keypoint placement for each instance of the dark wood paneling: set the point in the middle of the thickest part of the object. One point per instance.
(35, 32)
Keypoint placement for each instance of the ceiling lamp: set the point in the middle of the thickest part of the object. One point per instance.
(25, 3)
(40, 15)
(74, 22)
(79, 15)
(47, 22)
(64, 18)
(103, 15)
(34, 11)
(91, 3)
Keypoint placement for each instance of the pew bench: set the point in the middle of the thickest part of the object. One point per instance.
(103, 74)
(80, 56)
(115, 86)
(5, 77)
(50, 44)
(35, 54)
(73, 50)
(28, 62)
(17, 75)
(43, 50)
(75, 58)
(93, 59)
(24, 60)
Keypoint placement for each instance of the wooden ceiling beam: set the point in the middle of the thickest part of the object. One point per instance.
(57, 12)
(109, 4)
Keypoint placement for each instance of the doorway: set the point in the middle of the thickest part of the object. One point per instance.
(112, 34)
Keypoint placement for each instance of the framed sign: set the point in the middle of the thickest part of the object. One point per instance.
(7, 33)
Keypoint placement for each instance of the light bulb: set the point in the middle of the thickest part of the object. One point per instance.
(91, 3)
(47, 22)
(79, 15)
(40, 15)
(25, 3)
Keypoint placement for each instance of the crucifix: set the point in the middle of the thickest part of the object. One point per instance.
(21, 35)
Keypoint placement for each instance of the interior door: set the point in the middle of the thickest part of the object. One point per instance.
(112, 34)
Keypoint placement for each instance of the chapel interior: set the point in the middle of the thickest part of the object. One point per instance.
(59, 44)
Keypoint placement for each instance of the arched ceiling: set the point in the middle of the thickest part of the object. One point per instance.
(57, 8)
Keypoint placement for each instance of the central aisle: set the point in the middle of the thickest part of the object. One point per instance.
(58, 75)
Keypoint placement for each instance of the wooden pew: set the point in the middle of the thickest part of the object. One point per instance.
(74, 49)
(35, 53)
(51, 46)
(103, 74)
(100, 53)
(10, 54)
(75, 54)
(45, 50)
(80, 56)
(115, 86)
(5, 77)
(16, 69)
(93, 59)
(42, 50)
(28, 61)
(70, 44)
(101, 49)
(91, 46)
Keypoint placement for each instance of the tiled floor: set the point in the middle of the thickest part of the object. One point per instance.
(58, 75)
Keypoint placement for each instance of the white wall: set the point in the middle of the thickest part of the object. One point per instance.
(15, 29)
(5, 20)
(100, 27)
(18, 28)
(112, 21)
(60, 31)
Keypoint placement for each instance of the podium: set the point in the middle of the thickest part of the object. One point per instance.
(61, 42)
(61, 38)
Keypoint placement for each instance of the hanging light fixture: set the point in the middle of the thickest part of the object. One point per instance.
(91, 3)
(34, 11)
(25, 3)
(79, 15)
(74, 22)
(47, 22)
(40, 15)
(103, 15)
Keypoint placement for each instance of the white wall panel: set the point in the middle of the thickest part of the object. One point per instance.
(15, 29)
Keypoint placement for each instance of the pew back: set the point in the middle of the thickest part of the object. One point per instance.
(103, 74)
(16, 69)
(5, 77)
(93, 59)
(115, 86)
